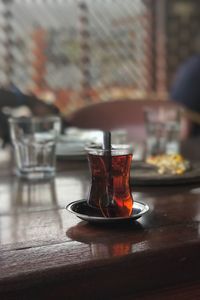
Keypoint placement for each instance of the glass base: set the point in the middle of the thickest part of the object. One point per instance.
(37, 173)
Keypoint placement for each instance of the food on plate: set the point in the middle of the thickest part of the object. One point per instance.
(174, 164)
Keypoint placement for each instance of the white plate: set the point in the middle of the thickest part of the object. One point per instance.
(70, 150)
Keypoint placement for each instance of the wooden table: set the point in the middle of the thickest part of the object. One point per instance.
(48, 253)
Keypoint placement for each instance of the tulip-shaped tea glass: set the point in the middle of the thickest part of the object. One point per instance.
(110, 180)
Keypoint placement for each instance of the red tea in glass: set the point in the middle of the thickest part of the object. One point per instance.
(110, 187)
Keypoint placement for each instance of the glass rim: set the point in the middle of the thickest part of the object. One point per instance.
(33, 119)
(116, 148)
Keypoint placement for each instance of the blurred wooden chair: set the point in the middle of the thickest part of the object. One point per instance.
(119, 114)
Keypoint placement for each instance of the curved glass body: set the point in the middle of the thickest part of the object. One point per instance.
(110, 186)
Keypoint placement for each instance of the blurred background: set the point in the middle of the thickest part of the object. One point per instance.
(72, 53)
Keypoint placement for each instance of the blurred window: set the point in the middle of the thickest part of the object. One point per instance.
(79, 52)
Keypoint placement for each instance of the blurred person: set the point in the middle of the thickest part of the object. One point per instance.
(15, 99)
(185, 91)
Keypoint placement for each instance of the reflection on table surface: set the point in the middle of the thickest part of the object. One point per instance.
(36, 210)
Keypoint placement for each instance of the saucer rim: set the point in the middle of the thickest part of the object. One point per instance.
(144, 210)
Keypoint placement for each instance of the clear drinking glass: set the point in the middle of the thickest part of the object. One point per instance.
(34, 141)
(162, 126)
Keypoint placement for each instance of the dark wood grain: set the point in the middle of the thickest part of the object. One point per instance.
(48, 253)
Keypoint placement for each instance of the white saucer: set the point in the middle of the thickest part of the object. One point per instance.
(83, 211)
